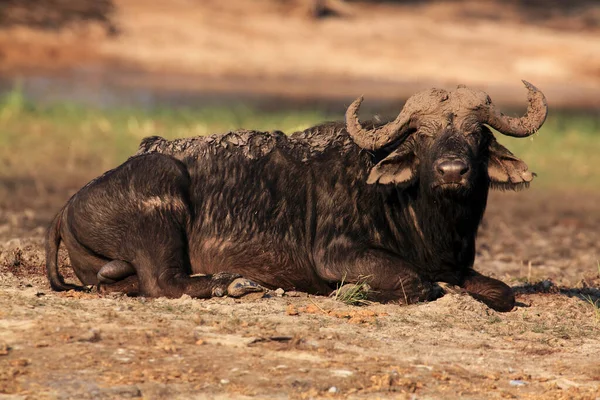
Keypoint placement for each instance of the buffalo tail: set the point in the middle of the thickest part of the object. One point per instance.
(53, 239)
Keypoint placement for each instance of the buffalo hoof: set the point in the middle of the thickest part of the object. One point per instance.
(234, 285)
(242, 286)
(492, 292)
(435, 292)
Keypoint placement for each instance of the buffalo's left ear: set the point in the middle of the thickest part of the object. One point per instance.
(399, 167)
(505, 170)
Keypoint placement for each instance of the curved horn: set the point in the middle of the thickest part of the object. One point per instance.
(378, 137)
(527, 125)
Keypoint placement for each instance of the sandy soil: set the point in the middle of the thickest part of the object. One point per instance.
(73, 345)
(271, 47)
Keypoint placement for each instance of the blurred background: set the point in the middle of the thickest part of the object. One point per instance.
(82, 81)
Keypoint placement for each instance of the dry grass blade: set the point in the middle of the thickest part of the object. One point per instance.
(354, 294)
(595, 307)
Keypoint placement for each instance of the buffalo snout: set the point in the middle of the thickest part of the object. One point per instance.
(452, 171)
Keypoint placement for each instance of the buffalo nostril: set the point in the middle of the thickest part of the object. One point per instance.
(452, 170)
(453, 166)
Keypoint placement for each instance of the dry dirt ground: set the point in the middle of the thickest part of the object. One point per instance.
(85, 346)
(270, 47)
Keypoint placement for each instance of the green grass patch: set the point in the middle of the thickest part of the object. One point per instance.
(57, 140)
(38, 141)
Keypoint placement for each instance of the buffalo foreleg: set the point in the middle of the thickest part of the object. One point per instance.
(118, 277)
(172, 283)
(389, 278)
(494, 293)
(162, 261)
(217, 285)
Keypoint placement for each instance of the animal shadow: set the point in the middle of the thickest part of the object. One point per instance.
(588, 294)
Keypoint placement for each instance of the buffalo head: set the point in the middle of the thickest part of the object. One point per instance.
(440, 140)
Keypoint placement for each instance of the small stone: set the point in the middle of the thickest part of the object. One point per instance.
(123, 356)
(313, 309)
(291, 310)
(565, 384)
(342, 373)
(224, 381)
(19, 362)
(333, 389)
(13, 243)
(279, 292)
(200, 342)
(293, 293)
(12, 397)
(120, 392)
(517, 382)
(92, 336)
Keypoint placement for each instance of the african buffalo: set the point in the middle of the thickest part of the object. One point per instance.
(396, 204)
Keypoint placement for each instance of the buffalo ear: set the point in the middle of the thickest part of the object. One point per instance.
(505, 170)
(397, 168)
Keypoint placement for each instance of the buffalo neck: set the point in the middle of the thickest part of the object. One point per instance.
(441, 228)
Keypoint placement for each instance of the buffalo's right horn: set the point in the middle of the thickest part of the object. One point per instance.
(527, 125)
(378, 137)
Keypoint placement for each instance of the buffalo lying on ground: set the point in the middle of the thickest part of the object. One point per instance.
(397, 205)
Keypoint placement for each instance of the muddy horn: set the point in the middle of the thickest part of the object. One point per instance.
(537, 110)
(378, 137)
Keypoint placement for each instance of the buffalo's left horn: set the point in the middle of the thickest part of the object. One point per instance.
(527, 125)
(378, 137)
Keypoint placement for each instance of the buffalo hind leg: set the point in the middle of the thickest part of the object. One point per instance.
(118, 277)
(157, 242)
(492, 292)
(162, 263)
(173, 284)
(114, 271)
(220, 285)
(130, 286)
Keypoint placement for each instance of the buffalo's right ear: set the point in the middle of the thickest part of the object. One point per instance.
(400, 167)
